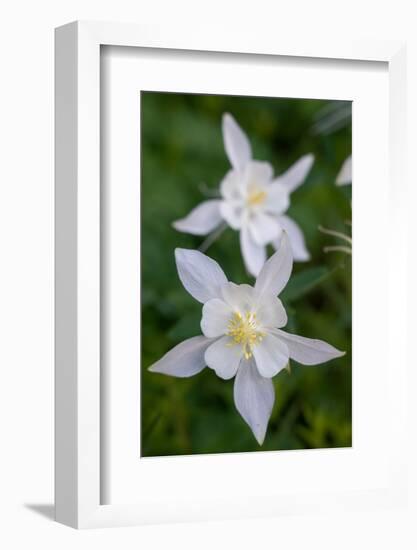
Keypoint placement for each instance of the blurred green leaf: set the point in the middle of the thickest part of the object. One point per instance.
(187, 326)
(304, 282)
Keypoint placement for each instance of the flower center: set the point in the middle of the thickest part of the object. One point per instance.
(256, 197)
(244, 330)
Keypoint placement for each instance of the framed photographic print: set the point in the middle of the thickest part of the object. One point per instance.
(225, 305)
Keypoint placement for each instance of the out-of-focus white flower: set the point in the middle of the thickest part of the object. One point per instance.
(242, 334)
(344, 177)
(252, 202)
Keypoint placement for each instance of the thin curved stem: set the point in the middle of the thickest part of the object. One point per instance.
(212, 237)
(208, 192)
(342, 236)
(344, 249)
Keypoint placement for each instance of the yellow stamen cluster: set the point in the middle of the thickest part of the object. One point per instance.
(256, 197)
(243, 330)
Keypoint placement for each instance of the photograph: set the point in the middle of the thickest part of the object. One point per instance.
(245, 274)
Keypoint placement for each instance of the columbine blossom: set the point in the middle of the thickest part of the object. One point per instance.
(252, 202)
(242, 334)
(345, 175)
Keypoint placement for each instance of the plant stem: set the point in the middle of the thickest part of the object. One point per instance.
(345, 249)
(342, 236)
(212, 237)
(209, 192)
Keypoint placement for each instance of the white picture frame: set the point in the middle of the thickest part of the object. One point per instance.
(78, 265)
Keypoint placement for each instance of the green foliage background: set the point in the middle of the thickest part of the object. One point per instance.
(182, 149)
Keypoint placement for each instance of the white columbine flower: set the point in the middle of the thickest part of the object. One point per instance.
(252, 202)
(242, 333)
(345, 175)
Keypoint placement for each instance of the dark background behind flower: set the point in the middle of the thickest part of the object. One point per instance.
(183, 162)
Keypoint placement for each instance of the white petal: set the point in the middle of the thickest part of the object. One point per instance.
(186, 359)
(264, 228)
(258, 172)
(277, 198)
(271, 355)
(254, 398)
(345, 175)
(202, 219)
(233, 186)
(271, 313)
(232, 213)
(297, 173)
(236, 143)
(308, 351)
(239, 297)
(276, 271)
(223, 356)
(254, 255)
(201, 276)
(216, 317)
(296, 237)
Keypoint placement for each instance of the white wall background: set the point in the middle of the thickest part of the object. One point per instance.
(26, 270)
